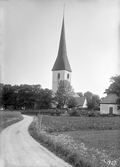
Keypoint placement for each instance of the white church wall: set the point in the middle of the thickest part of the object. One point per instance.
(63, 76)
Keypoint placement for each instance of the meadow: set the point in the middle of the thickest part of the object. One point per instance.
(81, 141)
(8, 118)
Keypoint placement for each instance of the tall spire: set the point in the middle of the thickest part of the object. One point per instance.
(62, 62)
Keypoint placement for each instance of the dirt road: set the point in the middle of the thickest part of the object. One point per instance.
(19, 149)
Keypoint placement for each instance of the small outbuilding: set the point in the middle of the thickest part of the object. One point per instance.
(108, 105)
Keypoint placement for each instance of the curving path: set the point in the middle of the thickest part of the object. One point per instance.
(19, 149)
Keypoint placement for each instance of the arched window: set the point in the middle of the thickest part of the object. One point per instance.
(58, 75)
(67, 76)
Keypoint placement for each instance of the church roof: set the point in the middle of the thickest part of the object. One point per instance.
(80, 100)
(62, 62)
(109, 99)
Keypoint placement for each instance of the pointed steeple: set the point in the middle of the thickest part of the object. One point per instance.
(62, 62)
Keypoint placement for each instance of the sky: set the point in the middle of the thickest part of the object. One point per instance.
(29, 40)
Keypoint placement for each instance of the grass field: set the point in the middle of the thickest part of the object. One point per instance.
(62, 124)
(8, 118)
(104, 144)
(81, 140)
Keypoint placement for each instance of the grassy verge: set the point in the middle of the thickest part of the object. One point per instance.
(8, 118)
(77, 141)
(52, 142)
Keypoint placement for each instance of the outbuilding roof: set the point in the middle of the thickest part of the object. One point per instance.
(109, 99)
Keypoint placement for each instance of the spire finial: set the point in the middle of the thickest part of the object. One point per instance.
(63, 9)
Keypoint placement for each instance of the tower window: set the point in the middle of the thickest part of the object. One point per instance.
(67, 76)
(58, 75)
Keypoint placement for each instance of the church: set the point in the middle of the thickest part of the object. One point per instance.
(61, 69)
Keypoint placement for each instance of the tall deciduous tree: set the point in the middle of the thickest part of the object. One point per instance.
(72, 102)
(114, 87)
(88, 95)
(1, 92)
(92, 100)
(28, 95)
(64, 93)
(44, 99)
(93, 103)
(7, 96)
(23, 96)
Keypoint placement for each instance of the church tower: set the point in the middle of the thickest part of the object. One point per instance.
(61, 69)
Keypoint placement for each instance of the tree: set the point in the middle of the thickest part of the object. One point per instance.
(25, 97)
(114, 87)
(72, 102)
(44, 99)
(93, 103)
(28, 96)
(1, 92)
(7, 96)
(88, 95)
(64, 93)
(92, 100)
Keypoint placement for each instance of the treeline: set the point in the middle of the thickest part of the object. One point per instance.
(24, 97)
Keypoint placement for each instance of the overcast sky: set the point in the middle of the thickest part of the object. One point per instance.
(29, 40)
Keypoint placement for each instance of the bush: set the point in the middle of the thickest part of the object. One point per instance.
(88, 113)
(93, 113)
(53, 112)
(74, 112)
(56, 112)
(36, 111)
(109, 115)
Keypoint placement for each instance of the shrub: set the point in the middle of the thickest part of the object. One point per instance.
(88, 113)
(57, 112)
(36, 111)
(74, 112)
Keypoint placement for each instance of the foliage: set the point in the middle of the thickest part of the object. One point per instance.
(80, 148)
(74, 112)
(44, 99)
(88, 95)
(72, 102)
(92, 101)
(56, 112)
(7, 96)
(59, 144)
(64, 93)
(114, 87)
(25, 97)
(1, 90)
